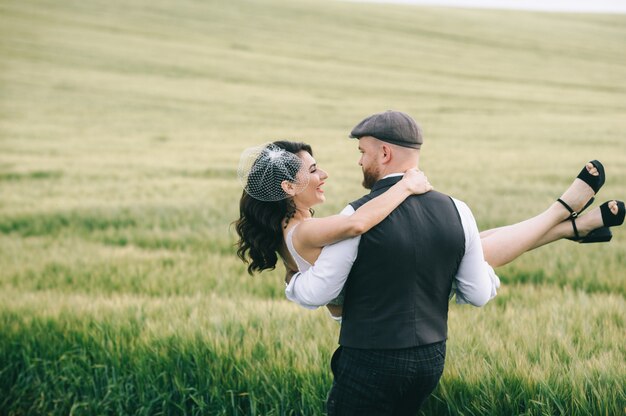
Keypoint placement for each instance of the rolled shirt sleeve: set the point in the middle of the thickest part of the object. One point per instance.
(476, 281)
(323, 282)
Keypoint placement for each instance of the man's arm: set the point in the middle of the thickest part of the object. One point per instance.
(325, 279)
(476, 281)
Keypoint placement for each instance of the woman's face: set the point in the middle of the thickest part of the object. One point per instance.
(313, 193)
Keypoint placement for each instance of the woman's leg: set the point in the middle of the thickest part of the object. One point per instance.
(507, 243)
(585, 224)
(504, 244)
(528, 230)
(490, 231)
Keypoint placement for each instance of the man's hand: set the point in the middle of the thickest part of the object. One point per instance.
(289, 271)
(335, 310)
(289, 274)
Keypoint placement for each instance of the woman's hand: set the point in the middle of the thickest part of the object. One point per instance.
(416, 181)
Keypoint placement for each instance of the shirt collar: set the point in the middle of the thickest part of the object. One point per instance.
(391, 175)
(387, 181)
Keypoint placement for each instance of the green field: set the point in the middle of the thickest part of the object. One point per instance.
(121, 125)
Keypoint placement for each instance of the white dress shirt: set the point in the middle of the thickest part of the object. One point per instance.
(475, 282)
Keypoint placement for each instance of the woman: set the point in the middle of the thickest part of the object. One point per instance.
(282, 184)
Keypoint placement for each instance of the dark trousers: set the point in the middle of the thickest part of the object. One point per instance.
(384, 382)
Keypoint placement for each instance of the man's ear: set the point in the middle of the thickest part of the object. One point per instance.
(385, 153)
(288, 188)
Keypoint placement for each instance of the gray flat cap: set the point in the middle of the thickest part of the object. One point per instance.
(390, 126)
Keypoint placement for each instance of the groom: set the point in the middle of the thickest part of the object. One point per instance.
(398, 279)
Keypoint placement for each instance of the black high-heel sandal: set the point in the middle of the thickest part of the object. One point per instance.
(602, 234)
(595, 182)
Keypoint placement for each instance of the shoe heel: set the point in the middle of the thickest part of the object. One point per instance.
(599, 235)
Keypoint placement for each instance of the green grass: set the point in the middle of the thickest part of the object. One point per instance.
(139, 354)
(121, 125)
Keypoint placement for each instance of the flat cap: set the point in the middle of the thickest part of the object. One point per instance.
(390, 126)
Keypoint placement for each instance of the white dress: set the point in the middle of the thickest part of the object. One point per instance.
(304, 265)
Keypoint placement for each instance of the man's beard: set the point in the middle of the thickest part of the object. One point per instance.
(370, 177)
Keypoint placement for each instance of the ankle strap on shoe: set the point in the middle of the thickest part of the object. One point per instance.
(572, 217)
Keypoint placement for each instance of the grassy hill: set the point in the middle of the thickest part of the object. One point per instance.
(121, 125)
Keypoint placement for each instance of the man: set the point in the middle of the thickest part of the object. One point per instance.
(399, 278)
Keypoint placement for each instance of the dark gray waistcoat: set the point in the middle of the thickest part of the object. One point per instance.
(398, 289)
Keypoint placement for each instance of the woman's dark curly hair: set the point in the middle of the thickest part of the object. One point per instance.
(260, 223)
